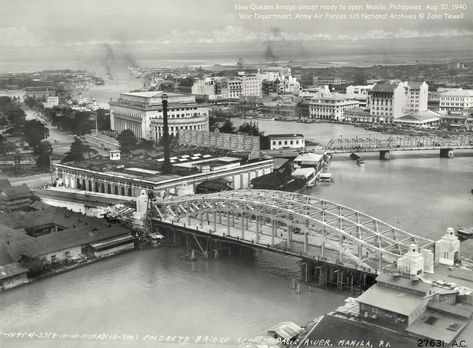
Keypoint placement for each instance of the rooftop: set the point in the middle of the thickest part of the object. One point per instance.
(152, 94)
(438, 326)
(55, 241)
(287, 135)
(12, 269)
(458, 93)
(398, 281)
(384, 87)
(415, 84)
(308, 157)
(4, 183)
(15, 192)
(421, 116)
(391, 300)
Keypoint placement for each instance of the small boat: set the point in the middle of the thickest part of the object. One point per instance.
(326, 177)
(156, 238)
(465, 232)
(354, 156)
(361, 163)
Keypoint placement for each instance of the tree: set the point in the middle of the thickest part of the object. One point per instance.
(7, 146)
(250, 128)
(103, 119)
(43, 147)
(127, 140)
(78, 151)
(81, 122)
(43, 151)
(227, 127)
(15, 115)
(43, 161)
(34, 132)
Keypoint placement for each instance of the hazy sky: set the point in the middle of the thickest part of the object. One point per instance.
(26, 23)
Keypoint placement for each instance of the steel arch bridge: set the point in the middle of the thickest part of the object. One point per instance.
(398, 143)
(290, 222)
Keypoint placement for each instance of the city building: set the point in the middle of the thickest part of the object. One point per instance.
(331, 107)
(51, 102)
(200, 156)
(418, 96)
(389, 101)
(360, 93)
(358, 115)
(328, 80)
(40, 92)
(234, 88)
(251, 86)
(285, 106)
(420, 119)
(462, 120)
(14, 197)
(447, 249)
(285, 141)
(142, 112)
(56, 235)
(12, 274)
(456, 99)
(205, 86)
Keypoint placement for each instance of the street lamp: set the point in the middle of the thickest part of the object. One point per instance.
(167, 167)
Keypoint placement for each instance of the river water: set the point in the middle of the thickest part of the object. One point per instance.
(154, 292)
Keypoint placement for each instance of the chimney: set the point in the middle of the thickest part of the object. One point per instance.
(167, 166)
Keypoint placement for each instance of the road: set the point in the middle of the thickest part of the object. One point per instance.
(60, 141)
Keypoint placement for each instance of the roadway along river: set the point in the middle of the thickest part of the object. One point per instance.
(154, 292)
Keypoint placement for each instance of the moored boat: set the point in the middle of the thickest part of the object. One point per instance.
(326, 177)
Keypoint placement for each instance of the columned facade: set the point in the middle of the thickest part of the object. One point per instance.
(75, 178)
(142, 113)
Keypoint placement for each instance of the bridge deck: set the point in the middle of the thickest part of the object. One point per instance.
(294, 222)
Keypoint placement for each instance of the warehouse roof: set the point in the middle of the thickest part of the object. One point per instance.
(391, 300)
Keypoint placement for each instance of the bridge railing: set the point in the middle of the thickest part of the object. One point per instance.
(393, 142)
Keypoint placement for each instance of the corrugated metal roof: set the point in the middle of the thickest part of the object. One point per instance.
(391, 300)
(56, 241)
(15, 192)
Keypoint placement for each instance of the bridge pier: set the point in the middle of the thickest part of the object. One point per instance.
(333, 275)
(384, 155)
(446, 153)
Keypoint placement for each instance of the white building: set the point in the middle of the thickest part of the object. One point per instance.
(331, 107)
(360, 93)
(447, 249)
(389, 101)
(234, 88)
(328, 80)
(286, 141)
(252, 86)
(142, 113)
(203, 87)
(51, 102)
(456, 99)
(420, 119)
(418, 96)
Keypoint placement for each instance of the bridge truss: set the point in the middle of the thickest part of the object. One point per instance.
(305, 225)
(398, 143)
